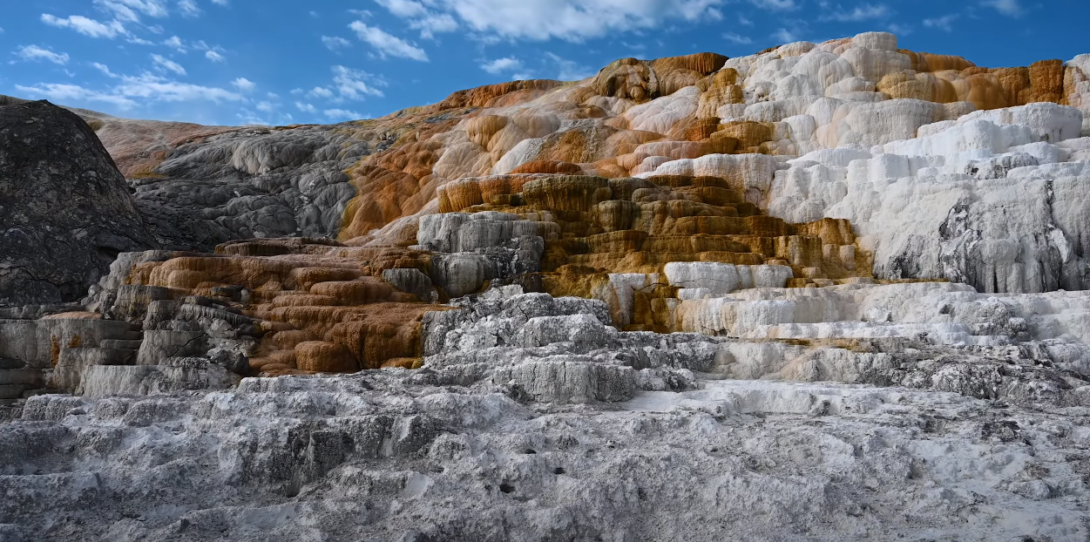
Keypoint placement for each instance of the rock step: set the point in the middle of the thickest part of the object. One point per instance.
(74, 361)
(14, 391)
(27, 377)
(8, 363)
(121, 344)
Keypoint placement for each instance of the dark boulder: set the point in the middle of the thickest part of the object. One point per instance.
(65, 210)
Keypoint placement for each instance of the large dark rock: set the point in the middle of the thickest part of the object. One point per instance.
(65, 210)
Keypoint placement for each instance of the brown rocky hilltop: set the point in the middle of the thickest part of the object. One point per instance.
(827, 290)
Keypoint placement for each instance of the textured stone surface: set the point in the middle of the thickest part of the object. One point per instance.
(65, 211)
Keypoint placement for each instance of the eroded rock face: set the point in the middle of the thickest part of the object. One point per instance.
(65, 210)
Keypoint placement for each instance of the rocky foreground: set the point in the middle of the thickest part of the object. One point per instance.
(831, 291)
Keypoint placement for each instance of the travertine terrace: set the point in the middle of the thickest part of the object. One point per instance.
(827, 291)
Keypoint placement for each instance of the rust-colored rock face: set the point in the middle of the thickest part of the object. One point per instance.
(318, 307)
(595, 227)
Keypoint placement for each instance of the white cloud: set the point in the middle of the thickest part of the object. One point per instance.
(434, 24)
(175, 43)
(900, 29)
(249, 118)
(1010, 8)
(387, 44)
(243, 84)
(133, 91)
(403, 8)
(297, 91)
(775, 4)
(214, 56)
(167, 64)
(785, 36)
(569, 70)
(33, 52)
(737, 38)
(744, 21)
(306, 108)
(942, 23)
(71, 93)
(159, 89)
(501, 65)
(571, 20)
(130, 10)
(271, 95)
(85, 26)
(320, 92)
(355, 84)
(220, 2)
(267, 107)
(864, 12)
(341, 114)
(189, 8)
(104, 69)
(334, 43)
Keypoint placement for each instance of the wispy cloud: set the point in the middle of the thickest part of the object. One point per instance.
(490, 21)
(569, 70)
(104, 69)
(901, 29)
(355, 84)
(167, 64)
(386, 43)
(63, 93)
(501, 65)
(334, 43)
(132, 91)
(785, 36)
(944, 23)
(1010, 8)
(864, 12)
(737, 38)
(341, 114)
(130, 10)
(779, 5)
(33, 52)
(176, 43)
(243, 84)
(189, 8)
(85, 26)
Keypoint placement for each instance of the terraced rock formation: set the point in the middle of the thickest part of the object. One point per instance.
(830, 290)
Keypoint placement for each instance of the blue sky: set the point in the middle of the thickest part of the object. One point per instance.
(285, 61)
